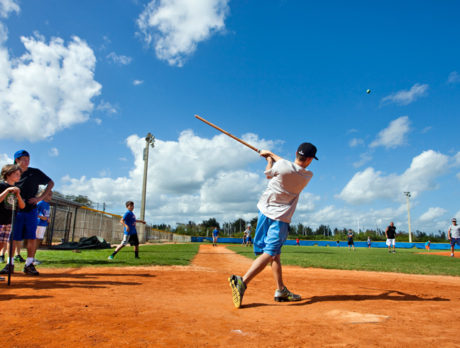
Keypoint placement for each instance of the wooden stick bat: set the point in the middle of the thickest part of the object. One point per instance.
(227, 133)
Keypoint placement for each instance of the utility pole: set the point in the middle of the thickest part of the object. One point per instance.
(149, 140)
(408, 215)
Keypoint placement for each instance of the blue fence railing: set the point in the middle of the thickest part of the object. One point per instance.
(401, 245)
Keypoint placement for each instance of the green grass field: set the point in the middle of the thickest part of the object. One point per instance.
(403, 261)
(163, 255)
(377, 259)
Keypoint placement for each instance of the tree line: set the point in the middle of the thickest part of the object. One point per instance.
(301, 231)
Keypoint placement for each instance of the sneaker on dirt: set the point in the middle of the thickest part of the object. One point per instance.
(6, 268)
(286, 296)
(30, 270)
(19, 258)
(238, 289)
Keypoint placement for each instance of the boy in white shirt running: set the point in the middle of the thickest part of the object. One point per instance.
(276, 207)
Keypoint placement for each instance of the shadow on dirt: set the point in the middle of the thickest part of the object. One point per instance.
(8, 297)
(389, 295)
(68, 280)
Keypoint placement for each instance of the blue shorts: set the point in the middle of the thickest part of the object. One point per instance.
(454, 241)
(270, 235)
(25, 225)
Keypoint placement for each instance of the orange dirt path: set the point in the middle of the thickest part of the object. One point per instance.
(191, 306)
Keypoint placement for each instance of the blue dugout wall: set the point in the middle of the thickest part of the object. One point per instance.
(400, 245)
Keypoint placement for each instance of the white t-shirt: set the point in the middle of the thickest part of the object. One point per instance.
(454, 231)
(287, 180)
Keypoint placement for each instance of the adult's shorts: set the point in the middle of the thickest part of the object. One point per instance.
(25, 225)
(391, 242)
(131, 239)
(454, 241)
(270, 235)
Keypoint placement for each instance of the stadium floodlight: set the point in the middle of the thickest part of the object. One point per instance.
(408, 195)
(149, 140)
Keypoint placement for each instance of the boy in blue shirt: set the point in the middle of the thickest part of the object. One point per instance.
(215, 236)
(130, 234)
(43, 208)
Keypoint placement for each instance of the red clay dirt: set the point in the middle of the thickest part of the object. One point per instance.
(192, 307)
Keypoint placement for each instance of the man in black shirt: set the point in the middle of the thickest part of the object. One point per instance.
(26, 220)
(391, 237)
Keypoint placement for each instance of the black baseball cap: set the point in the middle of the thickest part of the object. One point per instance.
(307, 150)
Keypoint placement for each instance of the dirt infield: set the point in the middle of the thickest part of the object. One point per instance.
(192, 306)
(442, 253)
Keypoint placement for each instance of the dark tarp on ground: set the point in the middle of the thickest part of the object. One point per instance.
(93, 242)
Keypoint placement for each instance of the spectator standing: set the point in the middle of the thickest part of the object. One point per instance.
(25, 226)
(390, 233)
(453, 234)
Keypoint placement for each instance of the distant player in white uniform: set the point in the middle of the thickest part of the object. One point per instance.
(453, 234)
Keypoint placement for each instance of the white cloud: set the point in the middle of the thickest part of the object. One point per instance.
(48, 89)
(306, 202)
(405, 97)
(457, 159)
(175, 27)
(4, 159)
(432, 213)
(106, 107)
(363, 159)
(346, 217)
(355, 142)
(394, 135)
(8, 6)
(138, 82)
(426, 129)
(53, 152)
(189, 179)
(119, 59)
(369, 185)
(458, 176)
(454, 77)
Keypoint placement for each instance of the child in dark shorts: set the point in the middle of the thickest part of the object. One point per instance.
(130, 233)
(11, 173)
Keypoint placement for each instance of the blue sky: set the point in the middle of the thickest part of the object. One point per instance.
(82, 83)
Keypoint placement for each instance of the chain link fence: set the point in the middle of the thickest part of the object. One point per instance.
(71, 221)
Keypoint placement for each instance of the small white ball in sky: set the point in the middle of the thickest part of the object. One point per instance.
(368, 91)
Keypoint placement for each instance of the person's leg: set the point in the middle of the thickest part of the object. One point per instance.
(238, 283)
(118, 248)
(4, 248)
(256, 267)
(278, 272)
(30, 230)
(17, 248)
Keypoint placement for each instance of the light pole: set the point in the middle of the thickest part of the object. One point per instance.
(408, 215)
(149, 140)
